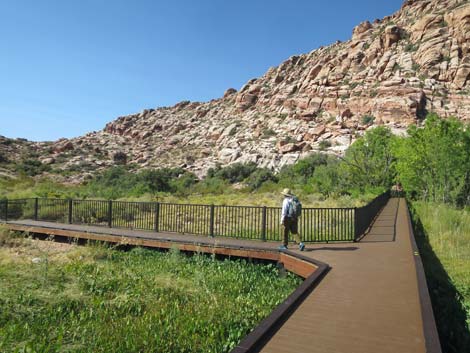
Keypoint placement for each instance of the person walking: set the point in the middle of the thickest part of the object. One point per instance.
(291, 211)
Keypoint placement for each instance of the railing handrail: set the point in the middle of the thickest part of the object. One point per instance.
(317, 224)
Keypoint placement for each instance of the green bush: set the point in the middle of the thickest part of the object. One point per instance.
(259, 177)
(370, 160)
(433, 163)
(211, 185)
(120, 158)
(3, 158)
(324, 144)
(118, 182)
(183, 184)
(301, 171)
(234, 173)
(367, 119)
(327, 178)
(31, 167)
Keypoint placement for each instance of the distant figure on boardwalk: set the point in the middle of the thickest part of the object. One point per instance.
(291, 211)
(397, 190)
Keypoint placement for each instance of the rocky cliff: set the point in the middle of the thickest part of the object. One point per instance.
(392, 71)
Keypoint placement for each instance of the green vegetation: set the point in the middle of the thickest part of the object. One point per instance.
(234, 173)
(267, 133)
(118, 182)
(369, 162)
(324, 144)
(120, 158)
(411, 47)
(443, 236)
(3, 158)
(433, 164)
(31, 167)
(367, 119)
(96, 299)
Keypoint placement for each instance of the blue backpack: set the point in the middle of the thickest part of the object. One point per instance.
(295, 208)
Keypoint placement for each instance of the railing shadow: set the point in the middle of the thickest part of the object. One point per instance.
(329, 248)
(449, 313)
(389, 234)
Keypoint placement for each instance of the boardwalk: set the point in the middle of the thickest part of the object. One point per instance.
(368, 302)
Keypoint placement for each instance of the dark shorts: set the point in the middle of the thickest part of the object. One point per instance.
(291, 224)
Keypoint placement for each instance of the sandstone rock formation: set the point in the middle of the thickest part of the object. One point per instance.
(396, 70)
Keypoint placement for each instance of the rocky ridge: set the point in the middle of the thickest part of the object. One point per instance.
(391, 72)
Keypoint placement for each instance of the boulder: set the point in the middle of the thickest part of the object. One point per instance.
(359, 30)
(289, 147)
(347, 114)
(319, 130)
(462, 74)
(246, 100)
(228, 155)
(229, 92)
(48, 161)
(391, 36)
(63, 147)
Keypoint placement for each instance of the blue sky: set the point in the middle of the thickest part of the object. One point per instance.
(69, 67)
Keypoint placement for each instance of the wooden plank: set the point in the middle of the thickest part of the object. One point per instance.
(299, 267)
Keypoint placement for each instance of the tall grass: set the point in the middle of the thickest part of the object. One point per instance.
(96, 299)
(443, 234)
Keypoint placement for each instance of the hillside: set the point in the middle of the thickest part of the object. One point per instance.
(392, 71)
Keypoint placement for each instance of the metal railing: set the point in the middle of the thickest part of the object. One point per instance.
(248, 222)
(397, 193)
(365, 216)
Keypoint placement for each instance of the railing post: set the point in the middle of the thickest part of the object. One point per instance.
(70, 211)
(157, 216)
(36, 208)
(263, 225)
(211, 228)
(356, 224)
(110, 213)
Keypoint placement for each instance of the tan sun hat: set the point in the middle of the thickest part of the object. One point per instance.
(287, 192)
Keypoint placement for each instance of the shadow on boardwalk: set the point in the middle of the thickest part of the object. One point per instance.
(449, 312)
(328, 248)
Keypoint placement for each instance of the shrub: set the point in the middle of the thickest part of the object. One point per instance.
(268, 133)
(211, 185)
(301, 171)
(324, 144)
(433, 162)
(118, 182)
(31, 167)
(120, 158)
(326, 178)
(367, 119)
(369, 161)
(3, 158)
(234, 173)
(259, 177)
(411, 47)
(183, 183)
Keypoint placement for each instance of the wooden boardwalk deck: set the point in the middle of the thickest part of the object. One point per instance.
(370, 301)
